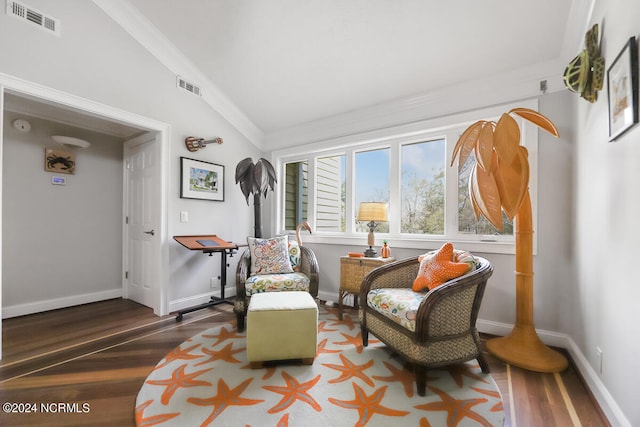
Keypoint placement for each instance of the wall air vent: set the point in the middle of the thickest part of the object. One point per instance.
(189, 87)
(28, 14)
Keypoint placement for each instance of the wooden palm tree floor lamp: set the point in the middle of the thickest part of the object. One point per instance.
(499, 182)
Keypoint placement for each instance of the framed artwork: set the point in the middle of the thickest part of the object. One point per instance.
(59, 161)
(201, 180)
(622, 84)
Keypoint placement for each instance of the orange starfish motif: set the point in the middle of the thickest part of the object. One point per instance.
(225, 354)
(322, 327)
(495, 394)
(355, 340)
(224, 335)
(459, 371)
(225, 398)
(179, 354)
(284, 421)
(403, 375)
(347, 321)
(367, 406)
(293, 392)
(436, 269)
(322, 348)
(179, 379)
(350, 370)
(457, 410)
(153, 420)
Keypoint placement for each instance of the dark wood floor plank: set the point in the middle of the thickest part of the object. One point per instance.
(100, 354)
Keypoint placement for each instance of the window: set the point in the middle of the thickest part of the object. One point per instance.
(296, 194)
(422, 187)
(409, 169)
(330, 199)
(372, 181)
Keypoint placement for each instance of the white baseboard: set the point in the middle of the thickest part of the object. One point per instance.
(53, 304)
(184, 303)
(608, 405)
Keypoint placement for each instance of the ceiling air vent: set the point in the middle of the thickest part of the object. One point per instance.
(28, 14)
(189, 87)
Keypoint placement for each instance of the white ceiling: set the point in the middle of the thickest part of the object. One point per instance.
(287, 62)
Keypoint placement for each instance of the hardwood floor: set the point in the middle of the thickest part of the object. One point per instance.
(85, 364)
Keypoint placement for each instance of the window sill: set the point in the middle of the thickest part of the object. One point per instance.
(426, 244)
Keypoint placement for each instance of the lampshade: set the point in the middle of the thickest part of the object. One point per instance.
(372, 211)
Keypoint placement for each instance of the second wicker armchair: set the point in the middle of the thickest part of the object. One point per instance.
(435, 328)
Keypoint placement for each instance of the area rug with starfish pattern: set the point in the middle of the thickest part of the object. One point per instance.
(207, 381)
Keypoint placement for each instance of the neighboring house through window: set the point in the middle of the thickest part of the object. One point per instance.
(411, 170)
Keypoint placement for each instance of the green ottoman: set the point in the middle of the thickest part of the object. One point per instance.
(282, 326)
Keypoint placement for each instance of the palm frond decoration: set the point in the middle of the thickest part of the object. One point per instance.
(499, 182)
(500, 178)
(257, 179)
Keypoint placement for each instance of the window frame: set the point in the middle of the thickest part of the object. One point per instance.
(448, 128)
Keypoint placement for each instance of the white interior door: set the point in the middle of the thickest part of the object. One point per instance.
(142, 221)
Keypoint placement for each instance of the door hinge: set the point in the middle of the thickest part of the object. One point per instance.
(126, 274)
(126, 220)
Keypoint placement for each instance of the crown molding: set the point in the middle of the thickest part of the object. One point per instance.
(142, 30)
(494, 90)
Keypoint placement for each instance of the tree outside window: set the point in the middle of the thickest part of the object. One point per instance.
(422, 187)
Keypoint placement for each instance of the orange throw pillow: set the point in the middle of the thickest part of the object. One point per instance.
(437, 268)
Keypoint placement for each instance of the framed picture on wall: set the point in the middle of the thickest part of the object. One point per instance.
(622, 85)
(59, 161)
(201, 180)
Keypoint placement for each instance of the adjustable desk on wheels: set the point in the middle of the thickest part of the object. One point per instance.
(209, 244)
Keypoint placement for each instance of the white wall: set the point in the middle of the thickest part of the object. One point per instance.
(552, 264)
(587, 231)
(605, 298)
(60, 241)
(95, 59)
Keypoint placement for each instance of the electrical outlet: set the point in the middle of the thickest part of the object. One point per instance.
(599, 361)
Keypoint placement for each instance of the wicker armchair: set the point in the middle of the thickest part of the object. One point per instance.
(308, 267)
(445, 319)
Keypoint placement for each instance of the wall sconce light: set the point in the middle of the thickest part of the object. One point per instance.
(374, 213)
(194, 144)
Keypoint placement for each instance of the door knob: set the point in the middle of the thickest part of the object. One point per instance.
(150, 232)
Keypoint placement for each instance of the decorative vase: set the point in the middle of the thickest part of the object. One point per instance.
(385, 251)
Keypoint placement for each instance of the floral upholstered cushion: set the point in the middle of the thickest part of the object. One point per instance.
(270, 256)
(399, 305)
(277, 282)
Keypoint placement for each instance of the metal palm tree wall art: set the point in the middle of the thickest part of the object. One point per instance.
(499, 182)
(258, 180)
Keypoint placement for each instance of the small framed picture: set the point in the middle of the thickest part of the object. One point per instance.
(622, 85)
(201, 180)
(59, 161)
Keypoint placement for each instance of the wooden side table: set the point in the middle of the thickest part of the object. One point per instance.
(352, 271)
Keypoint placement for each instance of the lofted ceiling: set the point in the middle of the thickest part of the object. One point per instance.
(272, 65)
(283, 63)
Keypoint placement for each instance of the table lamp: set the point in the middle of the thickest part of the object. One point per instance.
(373, 213)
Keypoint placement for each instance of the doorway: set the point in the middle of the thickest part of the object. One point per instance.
(71, 108)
